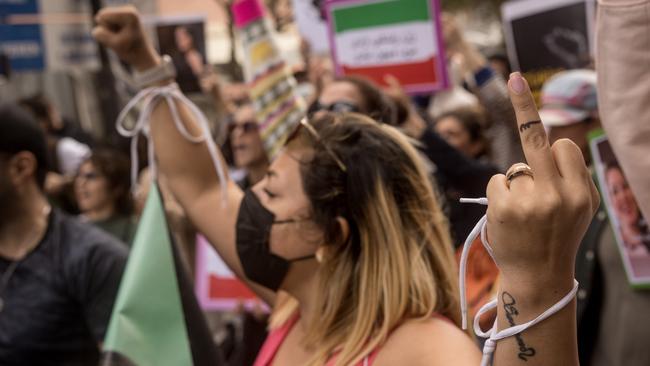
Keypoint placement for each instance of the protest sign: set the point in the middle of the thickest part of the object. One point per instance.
(47, 35)
(545, 37)
(183, 39)
(629, 226)
(375, 38)
(217, 288)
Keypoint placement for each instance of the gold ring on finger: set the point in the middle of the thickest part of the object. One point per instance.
(517, 170)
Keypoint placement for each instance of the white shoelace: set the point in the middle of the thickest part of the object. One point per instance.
(150, 97)
(492, 335)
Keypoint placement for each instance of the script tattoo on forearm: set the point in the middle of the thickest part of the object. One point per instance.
(527, 125)
(509, 303)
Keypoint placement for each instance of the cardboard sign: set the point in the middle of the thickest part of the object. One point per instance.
(630, 227)
(217, 288)
(545, 37)
(402, 38)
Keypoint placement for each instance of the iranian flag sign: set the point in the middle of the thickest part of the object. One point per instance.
(375, 38)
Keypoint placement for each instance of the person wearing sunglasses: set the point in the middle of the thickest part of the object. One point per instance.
(246, 145)
(354, 94)
(102, 192)
(346, 223)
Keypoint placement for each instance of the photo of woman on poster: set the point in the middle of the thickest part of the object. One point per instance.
(184, 42)
(632, 226)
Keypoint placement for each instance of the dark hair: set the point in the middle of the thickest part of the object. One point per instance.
(114, 166)
(39, 106)
(498, 57)
(20, 132)
(376, 104)
(473, 121)
(612, 165)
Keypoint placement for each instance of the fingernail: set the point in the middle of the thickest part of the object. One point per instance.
(517, 83)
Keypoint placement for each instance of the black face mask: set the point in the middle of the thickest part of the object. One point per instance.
(254, 224)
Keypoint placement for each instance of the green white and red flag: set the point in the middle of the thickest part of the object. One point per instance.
(375, 38)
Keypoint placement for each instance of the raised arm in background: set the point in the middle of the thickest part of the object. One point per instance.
(492, 92)
(187, 166)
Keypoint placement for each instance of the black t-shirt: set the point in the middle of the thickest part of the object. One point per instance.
(59, 299)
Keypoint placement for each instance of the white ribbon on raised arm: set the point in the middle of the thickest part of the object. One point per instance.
(149, 98)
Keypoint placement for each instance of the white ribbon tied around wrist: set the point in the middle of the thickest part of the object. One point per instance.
(493, 335)
(150, 97)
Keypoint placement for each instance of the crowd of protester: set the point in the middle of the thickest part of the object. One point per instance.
(69, 216)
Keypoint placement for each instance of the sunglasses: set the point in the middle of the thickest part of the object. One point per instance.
(336, 107)
(304, 123)
(246, 127)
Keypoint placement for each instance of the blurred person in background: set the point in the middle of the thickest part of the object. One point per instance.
(102, 190)
(58, 276)
(489, 88)
(246, 145)
(464, 129)
(500, 64)
(48, 115)
(68, 145)
(608, 308)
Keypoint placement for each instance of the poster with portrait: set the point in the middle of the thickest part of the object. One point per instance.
(216, 286)
(545, 37)
(630, 227)
(375, 38)
(183, 39)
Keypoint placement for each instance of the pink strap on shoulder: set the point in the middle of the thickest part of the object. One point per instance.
(273, 342)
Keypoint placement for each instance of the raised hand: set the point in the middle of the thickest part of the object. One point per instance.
(119, 28)
(535, 224)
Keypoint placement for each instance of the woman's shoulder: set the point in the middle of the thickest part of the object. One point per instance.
(431, 341)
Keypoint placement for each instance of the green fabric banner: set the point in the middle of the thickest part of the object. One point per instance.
(148, 325)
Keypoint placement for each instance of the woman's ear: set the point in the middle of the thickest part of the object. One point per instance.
(344, 227)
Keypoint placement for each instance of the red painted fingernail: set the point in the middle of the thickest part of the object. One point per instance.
(517, 83)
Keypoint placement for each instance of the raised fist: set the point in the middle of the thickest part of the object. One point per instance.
(119, 29)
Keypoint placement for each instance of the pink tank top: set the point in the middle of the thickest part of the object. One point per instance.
(276, 337)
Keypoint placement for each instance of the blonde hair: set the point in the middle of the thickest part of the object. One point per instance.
(397, 264)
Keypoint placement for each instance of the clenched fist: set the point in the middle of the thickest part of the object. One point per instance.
(120, 29)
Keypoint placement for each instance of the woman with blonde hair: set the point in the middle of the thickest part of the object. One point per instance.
(345, 222)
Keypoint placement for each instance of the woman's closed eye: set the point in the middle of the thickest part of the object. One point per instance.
(269, 193)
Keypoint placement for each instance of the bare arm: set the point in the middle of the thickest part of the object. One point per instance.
(534, 227)
(187, 166)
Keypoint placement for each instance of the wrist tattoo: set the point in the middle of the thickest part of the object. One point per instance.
(509, 303)
(527, 125)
